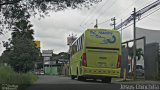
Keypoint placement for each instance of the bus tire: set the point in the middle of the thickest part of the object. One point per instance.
(72, 77)
(81, 78)
(106, 80)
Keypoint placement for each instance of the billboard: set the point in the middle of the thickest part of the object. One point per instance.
(37, 43)
(47, 53)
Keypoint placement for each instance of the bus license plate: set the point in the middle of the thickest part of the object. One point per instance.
(101, 64)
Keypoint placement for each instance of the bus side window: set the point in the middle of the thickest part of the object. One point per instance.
(82, 40)
(77, 45)
(74, 49)
(71, 50)
(81, 43)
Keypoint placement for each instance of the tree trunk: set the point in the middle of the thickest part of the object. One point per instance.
(131, 65)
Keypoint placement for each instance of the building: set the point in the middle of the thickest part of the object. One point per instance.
(70, 40)
(152, 36)
(49, 66)
(151, 61)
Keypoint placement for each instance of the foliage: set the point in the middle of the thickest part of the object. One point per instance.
(62, 55)
(8, 76)
(21, 52)
(13, 10)
(139, 52)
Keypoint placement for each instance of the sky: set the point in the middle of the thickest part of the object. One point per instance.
(54, 29)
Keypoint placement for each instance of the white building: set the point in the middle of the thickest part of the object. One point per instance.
(151, 37)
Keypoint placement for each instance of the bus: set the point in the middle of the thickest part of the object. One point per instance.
(96, 54)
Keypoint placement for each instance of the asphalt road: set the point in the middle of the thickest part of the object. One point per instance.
(65, 83)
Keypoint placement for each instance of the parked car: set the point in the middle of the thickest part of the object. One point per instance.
(139, 70)
(39, 72)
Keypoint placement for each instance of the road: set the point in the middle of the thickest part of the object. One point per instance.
(65, 83)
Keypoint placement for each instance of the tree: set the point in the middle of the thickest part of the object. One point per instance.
(139, 53)
(22, 52)
(13, 10)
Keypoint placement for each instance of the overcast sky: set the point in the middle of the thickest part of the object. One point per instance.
(52, 31)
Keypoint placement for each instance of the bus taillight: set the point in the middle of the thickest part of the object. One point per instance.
(119, 61)
(84, 62)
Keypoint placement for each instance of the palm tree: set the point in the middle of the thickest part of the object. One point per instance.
(23, 29)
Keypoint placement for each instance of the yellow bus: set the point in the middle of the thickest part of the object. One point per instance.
(96, 54)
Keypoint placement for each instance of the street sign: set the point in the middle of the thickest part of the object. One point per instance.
(47, 55)
(47, 51)
(37, 43)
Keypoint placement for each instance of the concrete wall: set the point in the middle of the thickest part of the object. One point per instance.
(151, 61)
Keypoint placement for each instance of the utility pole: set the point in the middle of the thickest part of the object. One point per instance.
(96, 26)
(114, 22)
(121, 31)
(134, 47)
(139, 13)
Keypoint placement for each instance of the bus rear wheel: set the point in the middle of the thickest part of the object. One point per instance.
(106, 80)
(73, 77)
(81, 78)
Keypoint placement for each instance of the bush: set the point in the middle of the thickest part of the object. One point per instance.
(8, 76)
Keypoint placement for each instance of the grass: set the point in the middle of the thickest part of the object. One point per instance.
(9, 77)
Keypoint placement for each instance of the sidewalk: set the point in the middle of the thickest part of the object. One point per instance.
(138, 81)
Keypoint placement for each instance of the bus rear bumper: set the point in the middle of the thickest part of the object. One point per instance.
(100, 72)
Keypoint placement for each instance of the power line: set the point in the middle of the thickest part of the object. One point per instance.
(103, 12)
(121, 15)
(149, 14)
(92, 14)
(139, 13)
(99, 23)
(155, 20)
(98, 10)
(141, 18)
(107, 8)
(87, 16)
(104, 22)
(132, 5)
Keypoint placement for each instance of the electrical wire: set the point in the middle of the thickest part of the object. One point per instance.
(103, 12)
(87, 16)
(85, 22)
(126, 9)
(141, 18)
(104, 22)
(143, 5)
